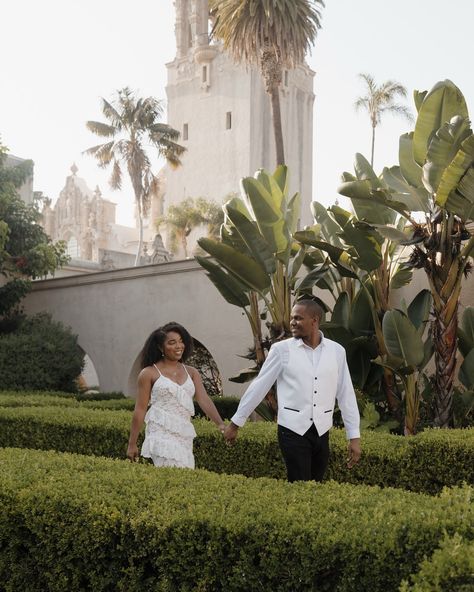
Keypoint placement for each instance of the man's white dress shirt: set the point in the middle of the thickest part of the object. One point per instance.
(309, 382)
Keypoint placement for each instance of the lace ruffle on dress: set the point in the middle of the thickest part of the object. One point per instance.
(169, 432)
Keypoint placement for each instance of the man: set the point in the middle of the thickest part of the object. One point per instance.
(311, 374)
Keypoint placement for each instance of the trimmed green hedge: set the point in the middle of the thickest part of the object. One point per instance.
(226, 406)
(450, 569)
(81, 523)
(426, 462)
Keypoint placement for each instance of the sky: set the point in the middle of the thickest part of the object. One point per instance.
(59, 57)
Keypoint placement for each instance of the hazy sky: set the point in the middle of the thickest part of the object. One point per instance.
(60, 56)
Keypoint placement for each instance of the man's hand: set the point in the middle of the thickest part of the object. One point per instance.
(230, 433)
(354, 452)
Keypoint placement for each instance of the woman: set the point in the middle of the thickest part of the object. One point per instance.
(166, 388)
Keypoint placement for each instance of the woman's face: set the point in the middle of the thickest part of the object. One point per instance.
(173, 347)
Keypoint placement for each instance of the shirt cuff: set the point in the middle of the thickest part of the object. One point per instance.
(351, 434)
(239, 421)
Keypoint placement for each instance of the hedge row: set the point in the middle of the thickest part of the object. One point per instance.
(426, 462)
(81, 523)
(226, 406)
(450, 569)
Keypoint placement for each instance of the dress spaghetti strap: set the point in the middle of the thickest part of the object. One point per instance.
(156, 368)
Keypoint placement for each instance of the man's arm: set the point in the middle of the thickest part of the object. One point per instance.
(347, 402)
(255, 393)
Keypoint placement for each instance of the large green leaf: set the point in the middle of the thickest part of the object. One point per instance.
(361, 321)
(268, 215)
(306, 283)
(455, 171)
(337, 333)
(247, 270)
(443, 102)
(255, 242)
(442, 149)
(402, 277)
(329, 228)
(466, 371)
(461, 201)
(293, 213)
(337, 255)
(296, 262)
(410, 170)
(467, 326)
(342, 310)
(360, 352)
(229, 287)
(416, 199)
(367, 243)
(420, 307)
(364, 171)
(402, 338)
(281, 176)
(272, 187)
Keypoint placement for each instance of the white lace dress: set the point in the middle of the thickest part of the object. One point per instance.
(169, 432)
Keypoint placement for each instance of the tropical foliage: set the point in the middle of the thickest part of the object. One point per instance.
(273, 35)
(132, 124)
(255, 262)
(433, 189)
(380, 99)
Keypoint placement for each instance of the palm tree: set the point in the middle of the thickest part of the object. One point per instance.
(272, 35)
(181, 219)
(132, 123)
(380, 99)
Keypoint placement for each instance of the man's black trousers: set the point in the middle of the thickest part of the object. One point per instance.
(307, 456)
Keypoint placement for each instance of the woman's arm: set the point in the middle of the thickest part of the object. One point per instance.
(141, 404)
(204, 401)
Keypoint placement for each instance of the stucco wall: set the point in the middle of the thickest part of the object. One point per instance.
(114, 312)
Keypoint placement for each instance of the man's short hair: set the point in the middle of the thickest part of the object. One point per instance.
(313, 307)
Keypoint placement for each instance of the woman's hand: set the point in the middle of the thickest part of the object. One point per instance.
(132, 453)
(221, 427)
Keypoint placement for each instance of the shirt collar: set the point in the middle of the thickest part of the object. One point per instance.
(301, 343)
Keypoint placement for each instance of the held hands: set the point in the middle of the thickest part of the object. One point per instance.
(230, 434)
(354, 452)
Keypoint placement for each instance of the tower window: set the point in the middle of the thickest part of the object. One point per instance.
(228, 120)
(185, 131)
(204, 74)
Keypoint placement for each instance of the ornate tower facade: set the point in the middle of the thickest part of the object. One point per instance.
(224, 116)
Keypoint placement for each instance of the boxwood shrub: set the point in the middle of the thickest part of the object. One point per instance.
(449, 569)
(81, 523)
(426, 462)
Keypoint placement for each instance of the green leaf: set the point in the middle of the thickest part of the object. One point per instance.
(364, 171)
(415, 199)
(401, 338)
(466, 371)
(420, 308)
(361, 321)
(247, 270)
(254, 241)
(402, 277)
(467, 327)
(229, 287)
(367, 243)
(245, 375)
(305, 284)
(461, 201)
(443, 102)
(342, 310)
(329, 228)
(454, 172)
(411, 171)
(281, 176)
(293, 213)
(296, 262)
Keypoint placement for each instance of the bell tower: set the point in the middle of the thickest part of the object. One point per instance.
(224, 116)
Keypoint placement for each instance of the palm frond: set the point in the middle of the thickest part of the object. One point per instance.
(115, 180)
(101, 129)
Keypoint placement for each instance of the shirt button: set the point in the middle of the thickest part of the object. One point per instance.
(315, 378)
(315, 392)
(314, 404)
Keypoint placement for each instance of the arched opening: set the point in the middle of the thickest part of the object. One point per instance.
(201, 359)
(89, 378)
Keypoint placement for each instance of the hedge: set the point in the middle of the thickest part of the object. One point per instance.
(81, 523)
(450, 569)
(426, 462)
(226, 406)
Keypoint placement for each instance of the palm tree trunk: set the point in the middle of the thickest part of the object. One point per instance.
(277, 127)
(373, 147)
(140, 234)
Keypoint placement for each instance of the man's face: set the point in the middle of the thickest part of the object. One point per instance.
(302, 324)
